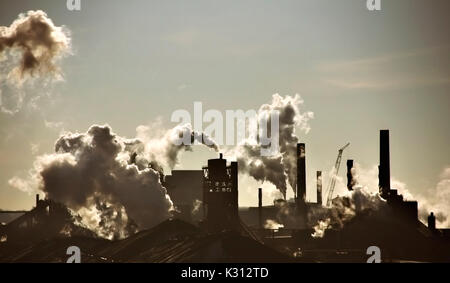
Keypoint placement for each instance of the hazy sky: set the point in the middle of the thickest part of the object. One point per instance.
(358, 71)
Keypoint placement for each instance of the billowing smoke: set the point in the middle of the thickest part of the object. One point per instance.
(279, 168)
(164, 147)
(100, 175)
(29, 48)
(38, 43)
(437, 200)
(343, 209)
(365, 198)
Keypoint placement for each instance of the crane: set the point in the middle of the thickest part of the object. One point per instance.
(333, 178)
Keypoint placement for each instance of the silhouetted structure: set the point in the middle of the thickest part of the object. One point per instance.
(301, 172)
(301, 184)
(432, 222)
(384, 168)
(220, 195)
(260, 220)
(350, 183)
(406, 210)
(48, 219)
(319, 187)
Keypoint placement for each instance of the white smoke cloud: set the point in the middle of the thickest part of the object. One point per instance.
(347, 205)
(30, 49)
(112, 182)
(280, 168)
(436, 199)
(344, 208)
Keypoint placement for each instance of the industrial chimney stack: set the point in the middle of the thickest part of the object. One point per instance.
(260, 220)
(349, 175)
(301, 185)
(384, 171)
(319, 187)
(432, 222)
(301, 173)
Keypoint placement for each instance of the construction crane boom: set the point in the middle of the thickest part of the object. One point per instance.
(332, 183)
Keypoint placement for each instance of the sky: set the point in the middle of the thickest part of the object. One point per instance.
(135, 62)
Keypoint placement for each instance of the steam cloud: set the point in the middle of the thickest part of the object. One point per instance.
(344, 208)
(165, 150)
(100, 175)
(278, 169)
(29, 48)
(365, 198)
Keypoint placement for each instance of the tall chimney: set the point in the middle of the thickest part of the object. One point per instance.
(349, 175)
(384, 171)
(37, 200)
(319, 187)
(260, 220)
(432, 221)
(301, 173)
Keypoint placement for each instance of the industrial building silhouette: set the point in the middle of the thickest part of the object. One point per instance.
(209, 225)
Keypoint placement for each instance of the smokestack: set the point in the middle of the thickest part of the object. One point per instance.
(260, 208)
(349, 175)
(319, 187)
(301, 173)
(384, 171)
(37, 200)
(221, 156)
(432, 221)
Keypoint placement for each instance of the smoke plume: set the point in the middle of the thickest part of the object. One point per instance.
(365, 198)
(280, 168)
(29, 48)
(164, 147)
(100, 176)
(343, 209)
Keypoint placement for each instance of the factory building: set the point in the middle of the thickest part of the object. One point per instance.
(407, 210)
(220, 195)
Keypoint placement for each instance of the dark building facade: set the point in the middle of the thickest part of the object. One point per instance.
(220, 195)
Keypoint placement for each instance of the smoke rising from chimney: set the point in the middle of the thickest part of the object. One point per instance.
(365, 197)
(278, 169)
(100, 176)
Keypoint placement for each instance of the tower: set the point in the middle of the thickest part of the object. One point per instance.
(220, 195)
